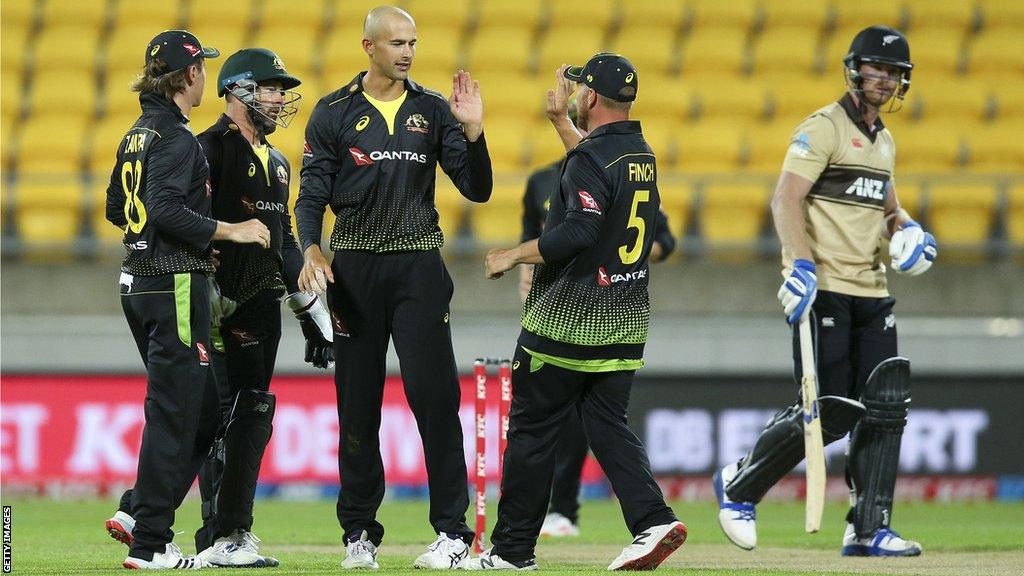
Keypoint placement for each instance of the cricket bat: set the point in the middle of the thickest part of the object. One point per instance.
(814, 449)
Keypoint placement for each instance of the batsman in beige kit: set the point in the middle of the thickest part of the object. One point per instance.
(834, 205)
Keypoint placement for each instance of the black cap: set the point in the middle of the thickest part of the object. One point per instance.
(179, 49)
(880, 44)
(257, 64)
(609, 74)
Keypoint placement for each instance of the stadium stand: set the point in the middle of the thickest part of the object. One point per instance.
(723, 86)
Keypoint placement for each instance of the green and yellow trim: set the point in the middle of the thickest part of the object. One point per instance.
(537, 361)
(183, 307)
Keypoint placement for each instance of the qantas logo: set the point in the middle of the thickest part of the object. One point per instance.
(307, 151)
(857, 143)
(605, 279)
(602, 277)
(339, 327)
(192, 50)
(360, 157)
(248, 205)
(588, 202)
(204, 356)
(244, 338)
(209, 188)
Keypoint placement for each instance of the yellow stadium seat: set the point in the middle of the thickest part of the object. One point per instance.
(506, 142)
(677, 203)
(809, 15)
(950, 14)
(7, 135)
(150, 17)
(651, 50)
(660, 134)
(948, 96)
(1008, 95)
(715, 15)
(650, 15)
(910, 194)
(708, 146)
(787, 49)
(728, 97)
(17, 15)
(51, 144)
(508, 94)
(48, 210)
(67, 47)
(58, 12)
(104, 139)
(732, 215)
(12, 98)
(228, 38)
(518, 14)
(68, 92)
(125, 49)
(711, 49)
(837, 44)
(12, 47)
(961, 215)
(310, 14)
(499, 47)
(452, 208)
(572, 44)
(451, 15)
(233, 14)
(799, 97)
(348, 13)
(294, 44)
(1000, 50)
(860, 15)
(663, 99)
(96, 204)
(935, 50)
(545, 145)
(498, 222)
(1015, 215)
(996, 147)
(766, 145)
(437, 49)
(927, 146)
(438, 80)
(1002, 14)
(567, 13)
(343, 54)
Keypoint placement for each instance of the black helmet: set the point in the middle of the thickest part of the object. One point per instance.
(257, 64)
(244, 72)
(882, 45)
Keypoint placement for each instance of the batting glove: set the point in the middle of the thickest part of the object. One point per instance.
(912, 249)
(797, 293)
(316, 327)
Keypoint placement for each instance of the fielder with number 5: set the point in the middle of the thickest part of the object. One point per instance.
(834, 203)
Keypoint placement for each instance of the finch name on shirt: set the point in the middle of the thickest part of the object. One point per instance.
(641, 172)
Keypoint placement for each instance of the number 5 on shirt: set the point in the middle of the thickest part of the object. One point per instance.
(631, 255)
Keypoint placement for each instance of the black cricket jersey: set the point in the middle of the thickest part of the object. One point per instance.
(244, 189)
(159, 192)
(378, 173)
(589, 300)
(537, 199)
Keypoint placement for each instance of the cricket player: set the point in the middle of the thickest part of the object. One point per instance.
(585, 324)
(834, 203)
(372, 148)
(250, 178)
(159, 193)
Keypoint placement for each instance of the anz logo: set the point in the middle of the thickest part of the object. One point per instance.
(867, 188)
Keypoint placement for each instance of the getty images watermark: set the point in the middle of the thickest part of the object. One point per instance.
(7, 539)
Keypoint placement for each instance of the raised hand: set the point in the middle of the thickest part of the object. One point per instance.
(466, 104)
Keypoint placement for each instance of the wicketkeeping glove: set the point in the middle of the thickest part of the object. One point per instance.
(220, 307)
(315, 321)
(912, 249)
(799, 290)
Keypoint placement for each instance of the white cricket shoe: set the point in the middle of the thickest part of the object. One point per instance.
(884, 542)
(651, 547)
(361, 554)
(488, 561)
(446, 553)
(558, 526)
(238, 550)
(171, 559)
(120, 527)
(737, 519)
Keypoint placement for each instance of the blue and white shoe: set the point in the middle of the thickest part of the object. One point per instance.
(737, 519)
(238, 550)
(884, 542)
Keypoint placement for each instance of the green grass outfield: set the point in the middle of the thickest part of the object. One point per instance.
(67, 537)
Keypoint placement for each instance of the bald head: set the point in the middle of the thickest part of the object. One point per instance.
(382, 20)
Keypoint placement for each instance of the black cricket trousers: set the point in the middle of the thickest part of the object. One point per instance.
(543, 396)
(169, 316)
(403, 297)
